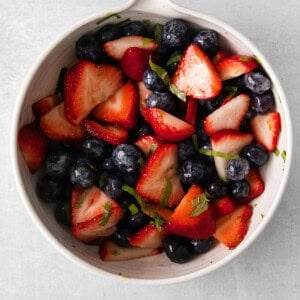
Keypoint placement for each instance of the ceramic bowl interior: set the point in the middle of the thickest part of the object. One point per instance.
(157, 269)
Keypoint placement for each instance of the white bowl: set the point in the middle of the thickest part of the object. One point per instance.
(157, 269)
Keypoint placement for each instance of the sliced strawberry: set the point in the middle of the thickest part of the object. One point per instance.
(168, 127)
(109, 251)
(160, 171)
(33, 146)
(185, 223)
(219, 56)
(232, 228)
(164, 212)
(266, 129)
(223, 206)
(56, 127)
(94, 214)
(235, 65)
(111, 134)
(144, 94)
(227, 116)
(117, 48)
(134, 63)
(148, 237)
(120, 109)
(196, 76)
(148, 144)
(191, 111)
(86, 86)
(228, 142)
(42, 106)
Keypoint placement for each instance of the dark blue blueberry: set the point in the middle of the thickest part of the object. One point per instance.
(176, 33)
(193, 171)
(209, 106)
(165, 101)
(262, 103)
(153, 82)
(185, 150)
(62, 213)
(108, 165)
(257, 82)
(173, 61)
(89, 47)
(93, 148)
(57, 163)
(127, 158)
(178, 248)
(113, 187)
(138, 220)
(245, 125)
(50, 189)
(237, 169)
(202, 136)
(121, 235)
(208, 40)
(256, 154)
(135, 28)
(82, 174)
(202, 246)
(217, 189)
(144, 129)
(131, 178)
(108, 32)
(239, 189)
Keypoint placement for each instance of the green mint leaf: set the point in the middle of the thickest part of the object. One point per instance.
(147, 41)
(82, 198)
(283, 155)
(106, 214)
(158, 33)
(166, 194)
(162, 73)
(195, 142)
(276, 151)
(133, 209)
(231, 90)
(175, 91)
(108, 16)
(103, 179)
(210, 152)
(200, 205)
(173, 59)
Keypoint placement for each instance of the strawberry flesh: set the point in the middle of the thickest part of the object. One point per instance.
(42, 106)
(148, 144)
(223, 206)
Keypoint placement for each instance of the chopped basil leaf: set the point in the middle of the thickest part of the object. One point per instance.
(195, 142)
(276, 151)
(147, 41)
(103, 179)
(108, 16)
(200, 205)
(133, 209)
(231, 91)
(174, 90)
(283, 155)
(166, 194)
(210, 152)
(158, 33)
(82, 198)
(173, 59)
(106, 214)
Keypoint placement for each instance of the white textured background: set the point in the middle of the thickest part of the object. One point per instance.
(30, 268)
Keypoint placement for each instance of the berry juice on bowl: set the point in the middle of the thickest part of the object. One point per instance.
(154, 144)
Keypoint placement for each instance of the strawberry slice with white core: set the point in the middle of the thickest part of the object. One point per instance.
(196, 76)
(227, 116)
(42, 106)
(226, 144)
(56, 127)
(109, 251)
(148, 144)
(119, 109)
(235, 65)
(168, 127)
(94, 214)
(116, 48)
(266, 129)
(86, 86)
(159, 175)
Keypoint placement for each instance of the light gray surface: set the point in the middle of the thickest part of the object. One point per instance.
(30, 268)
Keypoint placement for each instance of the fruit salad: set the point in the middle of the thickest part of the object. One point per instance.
(153, 141)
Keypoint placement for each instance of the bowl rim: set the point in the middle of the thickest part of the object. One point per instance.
(69, 254)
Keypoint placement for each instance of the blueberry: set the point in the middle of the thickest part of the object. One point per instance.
(108, 32)
(127, 158)
(202, 136)
(121, 235)
(176, 33)
(173, 61)
(152, 81)
(237, 169)
(131, 178)
(135, 28)
(82, 174)
(245, 125)
(239, 189)
(57, 163)
(208, 40)
(93, 148)
(256, 154)
(211, 105)
(50, 189)
(113, 187)
(108, 165)
(62, 213)
(89, 47)
(144, 129)
(138, 220)
(178, 248)
(185, 150)
(262, 103)
(192, 171)
(257, 82)
(165, 101)
(202, 246)
(217, 189)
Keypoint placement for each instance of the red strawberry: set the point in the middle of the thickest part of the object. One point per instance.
(228, 142)
(148, 144)
(196, 76)
(184, 222)
(111, 134)
(219, 56)
(191, 111)
(86, 86)
(147, 237)
(266, 129)
(94, 214)
(160, 171)
(56, 127)
(232, 228)
(164, 212)
(117, 48)
(33, 146)
(168, 127)
(42, 106)
(227, 116)
(235, 65)
(144, 94)
(109, 251)
(119, 109)
(134, 63)
(223, 206)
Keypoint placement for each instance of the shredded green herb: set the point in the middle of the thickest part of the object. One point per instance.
(147, 41)
(283, 155)
(231, 91)
(210, 152)
(195, 142)
(166, 194)
(108, 16)
(103, 179)
(262, 215)
(200, 205)
(173, 59)
(133, 209)
(158, 33)
(106, 214)
(82, 198)
(276, 151)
